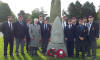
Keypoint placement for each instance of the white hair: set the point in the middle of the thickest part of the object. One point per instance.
(35, 19)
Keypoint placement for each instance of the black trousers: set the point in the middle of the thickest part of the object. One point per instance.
(27, 44)
(77, 47)
(83, 48)
(70, 47)
(6, 42)
(80, 47)
(44, 45)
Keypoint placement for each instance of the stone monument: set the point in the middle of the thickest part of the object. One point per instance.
(55, 10)
(57, 36)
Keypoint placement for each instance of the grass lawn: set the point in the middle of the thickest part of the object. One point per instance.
(40, 57)
(98, 42)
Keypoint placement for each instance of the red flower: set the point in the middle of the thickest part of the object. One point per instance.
(60, 53)
(51, 52)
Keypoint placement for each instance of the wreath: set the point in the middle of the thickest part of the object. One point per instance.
(51, 52)
(60, 53)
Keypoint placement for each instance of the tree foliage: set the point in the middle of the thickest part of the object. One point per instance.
(5, 11)
(37, 12)
(78, 10)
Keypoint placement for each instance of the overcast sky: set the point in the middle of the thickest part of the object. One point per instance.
(29, 5)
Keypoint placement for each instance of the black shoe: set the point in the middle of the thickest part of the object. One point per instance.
(11, 55)
(77, 56)
(89, 55)
(22, 53)
(31, 55)
(17, 54)
(36, 54)
(93, 58)
(5, 56)
(83, 58)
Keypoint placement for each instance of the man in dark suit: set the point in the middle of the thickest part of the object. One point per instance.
(45, 33)
(40, 20)
(64, 24)
(74, 21)
(75, 24)
(85, 23)
(69, 38)
(8, 35)
(20, 30)
(27, 35)
(81, 34)
(93, 28)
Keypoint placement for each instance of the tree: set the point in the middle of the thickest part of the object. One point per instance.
(75, 10)
(24, 15)
(78, 10)
(43, 13)
(98, 14)
(71, 10)
(5, 11)
(36, 13)
(88, 9)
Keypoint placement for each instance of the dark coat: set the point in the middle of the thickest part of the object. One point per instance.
(69, 32)
(94, 31)
(20, 30)
(7, 32)
(81, 31)
(45, 33)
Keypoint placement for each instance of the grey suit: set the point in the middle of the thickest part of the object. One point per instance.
(35, 33)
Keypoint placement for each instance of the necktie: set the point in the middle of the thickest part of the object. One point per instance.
(45, 26)
(11, 26)
(81, 27)
(69, 26)
(90, 26)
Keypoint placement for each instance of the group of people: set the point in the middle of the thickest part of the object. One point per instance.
(35, 33)
(80, 34)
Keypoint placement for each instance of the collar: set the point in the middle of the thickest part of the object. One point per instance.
(9, 22)
(90, 23)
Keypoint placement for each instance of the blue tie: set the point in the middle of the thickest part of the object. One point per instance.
(81, 27)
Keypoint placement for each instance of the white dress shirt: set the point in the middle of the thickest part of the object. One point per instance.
(90, 24)
(10, 24)
(64, 24)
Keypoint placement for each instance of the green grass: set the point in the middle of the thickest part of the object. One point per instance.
(98, 42)
(40, 57)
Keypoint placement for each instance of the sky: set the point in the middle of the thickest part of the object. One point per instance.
(29, 5)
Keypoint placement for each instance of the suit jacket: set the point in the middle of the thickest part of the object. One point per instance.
(20, 30)
(45, 33)
(94, 31)
(7, 31)
(27, 33)
(69, 32)
(40, 23)
(75, 26)
(81, 32)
